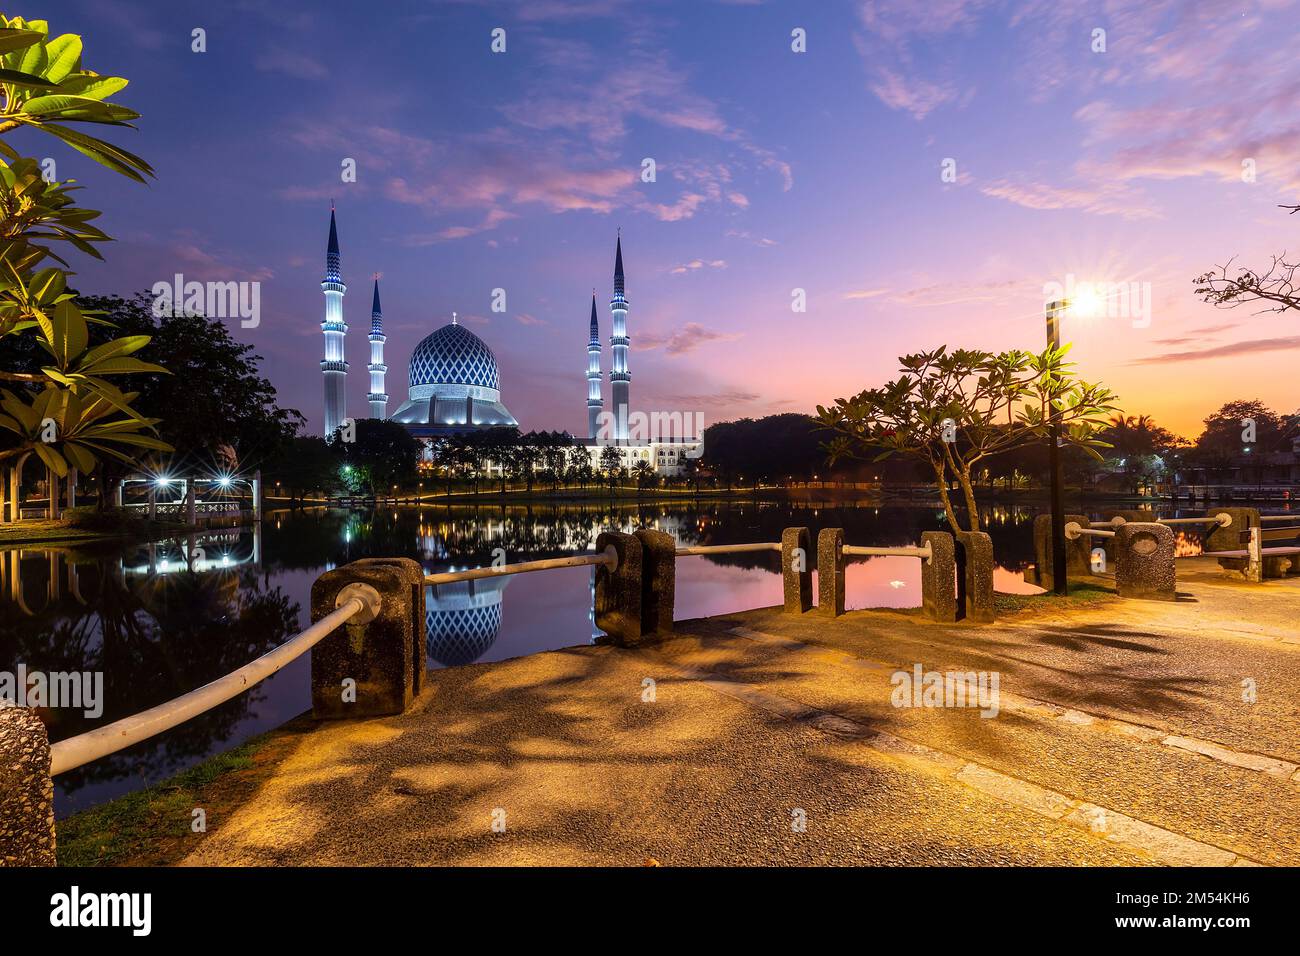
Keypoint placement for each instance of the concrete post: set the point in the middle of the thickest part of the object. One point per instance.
(1078, 553)
(939, 578)
(658, 580)
(1144, 561)
(413, 573)
(830, 571)
(618, 589)
(117, 492)
(974, 555)
(366, 667)
(190, 517)
(796, 570)
(72, 488)
(26, 790)
(257, 495)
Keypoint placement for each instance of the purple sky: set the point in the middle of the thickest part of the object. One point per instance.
(776, 170)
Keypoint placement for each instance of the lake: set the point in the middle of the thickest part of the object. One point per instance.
(156, 628)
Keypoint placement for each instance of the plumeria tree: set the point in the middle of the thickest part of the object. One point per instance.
(69, 413)
(956, 410)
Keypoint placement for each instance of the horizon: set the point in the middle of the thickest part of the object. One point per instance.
(776, 171)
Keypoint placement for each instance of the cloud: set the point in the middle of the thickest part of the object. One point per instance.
(866, 293)
(290, 63)
(697, 264)
(1286, 344)
(1105, 199)
(525, 318)
(916, 96)
(681, 341)
(713, 400)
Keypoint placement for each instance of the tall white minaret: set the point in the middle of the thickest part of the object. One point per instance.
(333, 366)
(594, 402)
(619, 376)
(378, 398)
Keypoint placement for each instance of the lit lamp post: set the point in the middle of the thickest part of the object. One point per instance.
(1055, 312)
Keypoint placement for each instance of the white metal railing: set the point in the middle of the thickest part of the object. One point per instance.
(728, 548)
(72, 753)
(1073, 529)
(1222, 519)
(925, 552)
(608, 558)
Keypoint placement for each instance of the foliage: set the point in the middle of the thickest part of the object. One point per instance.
(382, 454)
(955, 410)
(43, 86)
(1275, 287)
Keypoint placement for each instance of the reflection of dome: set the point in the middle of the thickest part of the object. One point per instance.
(462, 620)
(453, 355)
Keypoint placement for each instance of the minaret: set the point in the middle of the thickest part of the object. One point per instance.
(619, 376)
(377, 398)
(333, 366)
(594, 402)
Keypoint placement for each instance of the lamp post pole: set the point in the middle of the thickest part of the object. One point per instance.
(1055, 312)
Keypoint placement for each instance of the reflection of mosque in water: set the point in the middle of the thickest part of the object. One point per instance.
(462, 620)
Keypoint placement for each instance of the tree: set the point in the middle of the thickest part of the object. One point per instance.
(230, 409)
(611, 465)
(64, 411)
(578, 468)
(1275, 285)
(644, 472)
(770, 448)
(382, 454)
(305, 463)
(954, 411)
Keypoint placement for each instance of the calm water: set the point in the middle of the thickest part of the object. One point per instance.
(156, 629)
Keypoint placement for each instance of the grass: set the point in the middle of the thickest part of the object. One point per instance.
(1081, 597)
(150, 826)
(83, 525)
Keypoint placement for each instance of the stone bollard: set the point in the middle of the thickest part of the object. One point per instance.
(939, 578)
(1107, 545)
(1228, 538)
(1078, 553)
(658, 580)
(618, 589)
(1144, 561)
(26, 790)
(413, 572)
(366, 668)
(830, 571)
(974, 554)
(796, 574)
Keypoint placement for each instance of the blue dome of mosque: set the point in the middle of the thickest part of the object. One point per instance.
(461, 635)
(453, 355)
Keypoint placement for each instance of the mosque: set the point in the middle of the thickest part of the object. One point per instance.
(454, 387)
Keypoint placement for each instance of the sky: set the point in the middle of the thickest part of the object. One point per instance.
(920, 170)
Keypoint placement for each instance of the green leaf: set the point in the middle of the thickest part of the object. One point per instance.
(123, 346)
(11, 39)
(46, 285)
(71, 333)
(21, 78)
(106, 154)
(121, 366)
(93, 86)
(64, 54)
(53, 460)
(82, 108)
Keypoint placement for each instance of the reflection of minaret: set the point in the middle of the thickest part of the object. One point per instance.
(462, 620)
(594, 401)
(333, 366)
(377, 398)
(619, 377)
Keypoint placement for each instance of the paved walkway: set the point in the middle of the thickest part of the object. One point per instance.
(1122, 737)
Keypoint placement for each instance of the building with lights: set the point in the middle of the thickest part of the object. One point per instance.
(454, 386)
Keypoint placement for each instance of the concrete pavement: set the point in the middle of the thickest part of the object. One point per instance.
(1122, 737)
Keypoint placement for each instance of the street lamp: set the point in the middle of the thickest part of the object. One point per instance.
(1055, 312)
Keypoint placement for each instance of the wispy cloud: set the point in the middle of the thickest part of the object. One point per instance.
(683, 340)
(1285, 344)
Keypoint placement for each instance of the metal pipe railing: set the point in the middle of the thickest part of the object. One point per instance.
(1294, 517)
(1073, 529)
(75, 751)
(924, 552)
(1222, 519)
(728, 548)
(609, 558)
